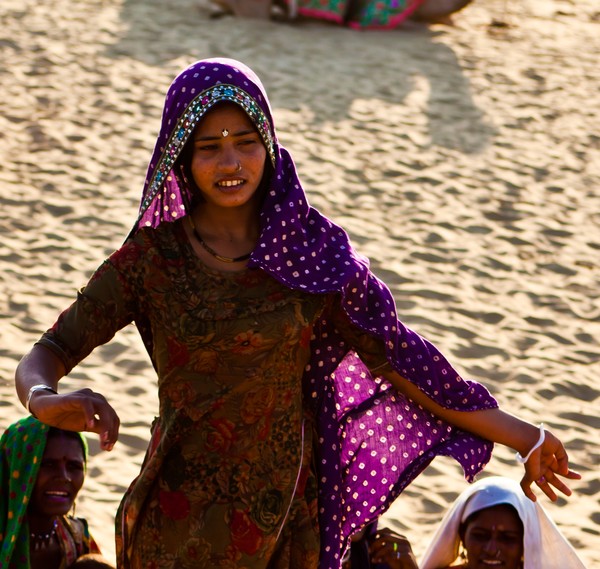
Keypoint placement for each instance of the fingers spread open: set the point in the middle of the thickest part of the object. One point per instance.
(526, 487)
(545, 487)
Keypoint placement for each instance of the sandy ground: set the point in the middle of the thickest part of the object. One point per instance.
(463, 160)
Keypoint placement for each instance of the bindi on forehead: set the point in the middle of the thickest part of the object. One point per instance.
(225, 133)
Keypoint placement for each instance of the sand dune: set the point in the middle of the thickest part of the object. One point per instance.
(465, 161)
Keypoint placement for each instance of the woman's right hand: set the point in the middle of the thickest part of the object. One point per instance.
(81, 410)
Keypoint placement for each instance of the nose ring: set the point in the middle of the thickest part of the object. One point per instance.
(239, 167)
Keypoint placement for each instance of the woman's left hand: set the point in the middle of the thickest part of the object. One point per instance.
(544, 467)
(390, 548)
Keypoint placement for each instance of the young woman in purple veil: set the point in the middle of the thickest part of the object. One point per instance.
(294, 405)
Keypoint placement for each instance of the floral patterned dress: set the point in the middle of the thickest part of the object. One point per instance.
(228, 479)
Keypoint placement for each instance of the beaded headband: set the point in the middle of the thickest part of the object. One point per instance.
(197, 108)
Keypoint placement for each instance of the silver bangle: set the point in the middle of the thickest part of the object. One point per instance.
(32, 390)
(537, 445)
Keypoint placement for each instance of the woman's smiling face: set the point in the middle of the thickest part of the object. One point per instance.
(493, 537)
(60, 478)
(228, 159)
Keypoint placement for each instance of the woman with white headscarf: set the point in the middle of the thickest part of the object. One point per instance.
(542, 545)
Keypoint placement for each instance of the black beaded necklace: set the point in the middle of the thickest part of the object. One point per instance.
(212, 251)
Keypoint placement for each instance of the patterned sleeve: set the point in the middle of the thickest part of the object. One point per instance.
(88, 543)
(92, 546)
(75, 540)
(104, 306)
(371, 350)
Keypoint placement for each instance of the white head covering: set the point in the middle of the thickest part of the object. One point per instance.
(543, 544)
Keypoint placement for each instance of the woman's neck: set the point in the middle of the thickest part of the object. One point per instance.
(41, 525)
(223, 240)
(227, 224)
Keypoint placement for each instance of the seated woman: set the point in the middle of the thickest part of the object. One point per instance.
(377, 14)
(493, 524)
(41, 472)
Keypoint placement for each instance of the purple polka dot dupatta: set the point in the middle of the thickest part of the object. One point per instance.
(372, 441)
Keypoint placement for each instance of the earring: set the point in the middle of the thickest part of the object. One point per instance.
(183, 176)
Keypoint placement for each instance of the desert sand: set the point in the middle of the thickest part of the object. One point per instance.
(463, 160)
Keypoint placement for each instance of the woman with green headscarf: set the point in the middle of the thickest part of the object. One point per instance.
(42, 469)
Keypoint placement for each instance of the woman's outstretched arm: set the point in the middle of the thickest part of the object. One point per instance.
(544, 466)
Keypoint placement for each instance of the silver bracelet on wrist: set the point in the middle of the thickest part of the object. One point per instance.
(32, 390)
(537, 445)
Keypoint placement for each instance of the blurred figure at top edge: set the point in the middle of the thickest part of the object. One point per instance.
(358, 14)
